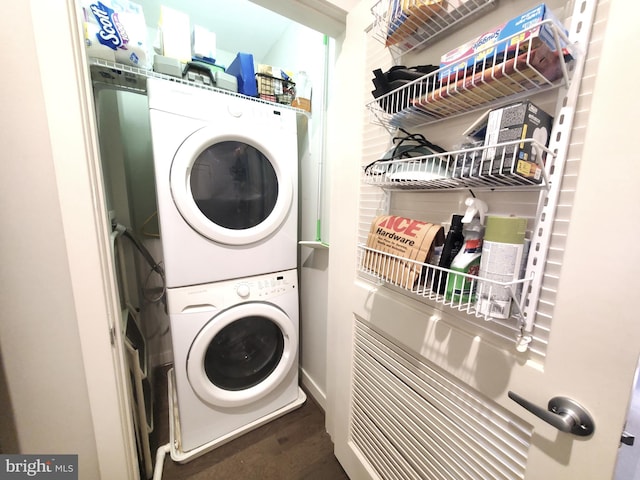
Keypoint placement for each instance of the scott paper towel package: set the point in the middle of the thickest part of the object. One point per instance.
(115, 30)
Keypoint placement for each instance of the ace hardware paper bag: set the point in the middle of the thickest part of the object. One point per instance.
(402, 237)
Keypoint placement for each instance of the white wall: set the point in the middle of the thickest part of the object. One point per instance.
(39, 335)
(301, 48)
(60, 369)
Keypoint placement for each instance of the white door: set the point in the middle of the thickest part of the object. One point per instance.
(455, 373)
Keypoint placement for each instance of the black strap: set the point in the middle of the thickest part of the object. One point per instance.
(419, 138)
(399, 141)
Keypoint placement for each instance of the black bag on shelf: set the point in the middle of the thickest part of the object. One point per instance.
(397, 77)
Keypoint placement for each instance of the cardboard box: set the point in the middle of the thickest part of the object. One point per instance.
(302, 104)
(518, 121)
(404, 17)
(492, 45)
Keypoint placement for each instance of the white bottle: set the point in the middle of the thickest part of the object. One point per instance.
(502, 253)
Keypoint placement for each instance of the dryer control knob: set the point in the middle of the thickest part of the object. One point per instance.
(243, 290)
(234, 112)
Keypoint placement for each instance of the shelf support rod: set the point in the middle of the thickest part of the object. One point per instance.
(579, 34)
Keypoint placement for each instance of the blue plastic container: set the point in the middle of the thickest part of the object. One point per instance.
(242, 69)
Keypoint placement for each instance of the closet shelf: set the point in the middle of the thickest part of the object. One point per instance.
(502, 166)
(125, 77)
(421, 21)
(316, 244)
(480, 296)
(527, 67)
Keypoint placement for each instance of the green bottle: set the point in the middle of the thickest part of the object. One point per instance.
(461, 290)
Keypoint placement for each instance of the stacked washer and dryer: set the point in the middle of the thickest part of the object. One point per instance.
(226, 171)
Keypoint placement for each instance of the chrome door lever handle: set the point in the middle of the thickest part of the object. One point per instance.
(561, 412)
(627, 439)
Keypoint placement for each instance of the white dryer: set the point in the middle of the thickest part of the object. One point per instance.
(235, 347)
(226, 171)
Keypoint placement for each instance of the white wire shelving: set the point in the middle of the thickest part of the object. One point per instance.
(517, 66)
(499, 166)
(124, 77)
(469, 293)
(512, 70)
(421, 22)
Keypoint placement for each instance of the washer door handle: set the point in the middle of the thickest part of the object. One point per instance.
(563, 413)
(203, 307)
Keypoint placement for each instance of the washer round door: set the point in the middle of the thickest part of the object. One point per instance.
(230, 189)
(242, 354)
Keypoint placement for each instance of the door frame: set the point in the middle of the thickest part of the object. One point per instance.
(73, 134)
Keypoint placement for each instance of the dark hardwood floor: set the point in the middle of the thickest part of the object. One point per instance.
(295, 446)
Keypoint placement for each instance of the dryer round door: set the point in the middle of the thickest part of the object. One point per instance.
(242, 354)
(229, 188)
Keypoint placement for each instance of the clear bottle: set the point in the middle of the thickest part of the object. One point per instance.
(303, 91)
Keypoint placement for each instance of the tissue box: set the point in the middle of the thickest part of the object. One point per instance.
(518, 121)
(175, 28)
(242, 68)
(116, 31)
(480, 48)
(203, 44)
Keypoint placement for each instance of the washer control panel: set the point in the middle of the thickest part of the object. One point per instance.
(213, 296)
(243, 290)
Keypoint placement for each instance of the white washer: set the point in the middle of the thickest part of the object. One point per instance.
(235, 347)
(226, 171)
